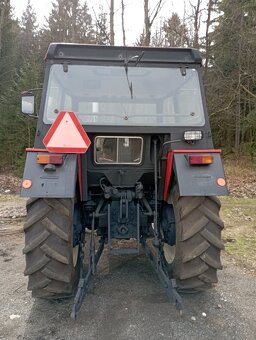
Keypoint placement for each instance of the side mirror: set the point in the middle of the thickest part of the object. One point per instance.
(28, 103)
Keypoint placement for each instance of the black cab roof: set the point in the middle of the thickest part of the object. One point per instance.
(84, 52)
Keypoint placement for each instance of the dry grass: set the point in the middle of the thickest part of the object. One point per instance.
(241, 177)
(239, 235)
(241, 166)
(239, 212)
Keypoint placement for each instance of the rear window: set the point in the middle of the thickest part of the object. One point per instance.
(142, 96)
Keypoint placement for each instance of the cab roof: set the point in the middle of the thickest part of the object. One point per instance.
(84, 52)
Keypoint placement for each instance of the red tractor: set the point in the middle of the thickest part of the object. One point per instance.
(123, 148)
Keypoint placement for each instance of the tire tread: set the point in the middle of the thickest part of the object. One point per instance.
(49, 247)
(198, 241)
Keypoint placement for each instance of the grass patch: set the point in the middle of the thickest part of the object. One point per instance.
(241, 177)
(11, 197)
(239, 168)
(242, 246)
(228, 200)
(239, 235)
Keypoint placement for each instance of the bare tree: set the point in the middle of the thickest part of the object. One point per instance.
(149, 19)
(112, 32)
(158, 38)
(196, 10)
(239, 101)
(123, 28)
(74, 6)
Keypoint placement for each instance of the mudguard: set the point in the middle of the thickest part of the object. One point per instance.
(196, 180)
(59, 181)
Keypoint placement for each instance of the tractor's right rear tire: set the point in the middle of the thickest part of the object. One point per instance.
(198, 241)
(52, 271)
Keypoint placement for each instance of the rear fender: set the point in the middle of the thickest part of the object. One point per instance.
(57, 181)
(195, 180)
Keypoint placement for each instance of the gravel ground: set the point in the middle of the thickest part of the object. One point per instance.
(125, 301)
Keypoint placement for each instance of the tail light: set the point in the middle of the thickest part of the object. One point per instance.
(200, 159)
(49, 159)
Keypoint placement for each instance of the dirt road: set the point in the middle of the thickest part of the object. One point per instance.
(126, 301)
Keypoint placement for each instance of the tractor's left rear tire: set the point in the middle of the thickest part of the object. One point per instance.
(50, 265)
(198, 241)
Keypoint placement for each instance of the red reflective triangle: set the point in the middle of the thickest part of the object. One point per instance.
(66, 135)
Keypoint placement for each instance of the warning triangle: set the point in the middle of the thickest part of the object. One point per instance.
(66, 135)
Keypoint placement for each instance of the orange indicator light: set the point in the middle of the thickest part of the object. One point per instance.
(27, 183)
(49, 159)
(221, 182)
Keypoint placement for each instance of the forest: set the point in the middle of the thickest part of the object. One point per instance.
(223, 30)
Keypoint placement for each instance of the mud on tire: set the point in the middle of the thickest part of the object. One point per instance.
(49, 247)
(198, 241)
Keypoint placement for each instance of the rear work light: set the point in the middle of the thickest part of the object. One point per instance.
(200, 160)
(193, 135)
(49, 159)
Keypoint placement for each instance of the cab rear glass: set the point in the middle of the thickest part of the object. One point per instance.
(140, 96)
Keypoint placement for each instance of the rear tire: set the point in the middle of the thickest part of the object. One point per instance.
(49, 247)
(198, 241)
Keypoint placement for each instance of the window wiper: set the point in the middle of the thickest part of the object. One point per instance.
(137, 59)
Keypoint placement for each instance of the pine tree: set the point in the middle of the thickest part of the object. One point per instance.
(69, 21)
(231, 75)
(102, 34)
(176, 32)
(8, 36)
(17, 131)
(29, 41)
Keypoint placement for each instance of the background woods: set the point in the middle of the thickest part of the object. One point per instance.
(224, 31)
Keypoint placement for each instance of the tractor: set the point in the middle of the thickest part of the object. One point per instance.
(123, 152)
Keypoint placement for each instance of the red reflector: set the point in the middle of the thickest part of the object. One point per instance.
(27, 183)
(49, 159)
(66, 135)
(200, 160)
(221, 182)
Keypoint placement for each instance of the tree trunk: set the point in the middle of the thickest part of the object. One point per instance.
(147, 32)
(238, 113)
(73, 27)
(207, 40)
(123, 28)
(2, 17)
(112, 33)
(197, 12)
(149, 20)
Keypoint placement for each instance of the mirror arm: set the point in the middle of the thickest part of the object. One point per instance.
(28, 115)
